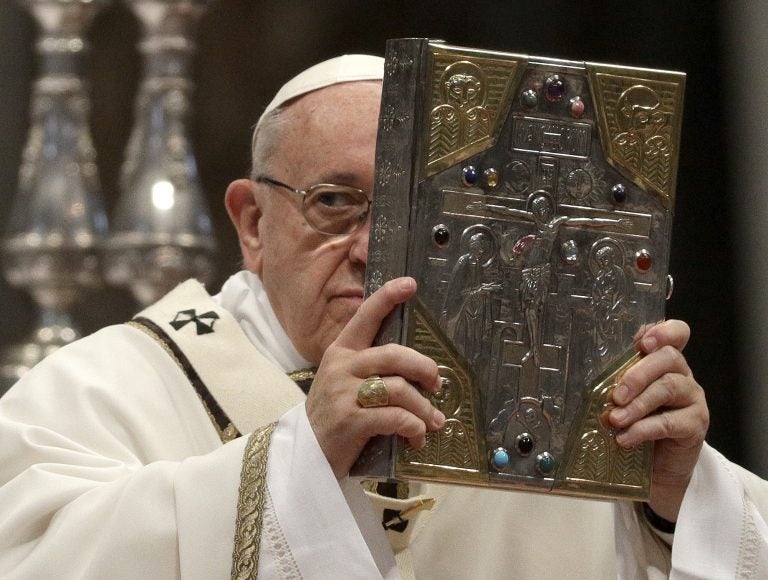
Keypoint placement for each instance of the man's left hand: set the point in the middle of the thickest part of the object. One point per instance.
(659, 400)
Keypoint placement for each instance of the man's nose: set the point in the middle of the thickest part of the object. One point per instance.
(358, 251)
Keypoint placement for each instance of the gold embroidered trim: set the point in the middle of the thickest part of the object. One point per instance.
(302, 374)
(402, 490)
(419, 504)
(230, 431)
(250, 505)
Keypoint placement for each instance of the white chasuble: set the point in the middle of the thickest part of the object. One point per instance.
(111, 466)
(172, 448)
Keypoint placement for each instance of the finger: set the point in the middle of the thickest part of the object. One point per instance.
(667, 360)
(406, 396)
(395, 359)
(668, 333)
(670, 391)
(361, 330)
(680, 425)
(398, 421)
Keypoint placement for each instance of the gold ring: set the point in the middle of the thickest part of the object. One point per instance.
(373, 392)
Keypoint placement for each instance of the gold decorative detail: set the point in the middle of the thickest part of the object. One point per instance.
(639, 114)
(302, 374)
(418, 505)
(455, 452)
(402, 489)
(468, 104)
(250, 505)
(373, 392)
(230, 432)
(596, 463)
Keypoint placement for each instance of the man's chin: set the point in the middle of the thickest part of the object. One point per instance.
(342, 312)
(338, 314)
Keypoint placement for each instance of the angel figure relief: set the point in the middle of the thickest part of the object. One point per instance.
(643, 143)
(461, 118)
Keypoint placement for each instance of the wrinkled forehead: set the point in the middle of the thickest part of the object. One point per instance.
(332, 126)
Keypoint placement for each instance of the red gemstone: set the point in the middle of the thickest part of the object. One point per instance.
(643, 260)
(577, 107)
(523, 244)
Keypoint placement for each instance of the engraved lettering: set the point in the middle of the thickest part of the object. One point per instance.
(549, 136)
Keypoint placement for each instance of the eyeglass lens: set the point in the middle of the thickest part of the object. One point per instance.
(335, 209)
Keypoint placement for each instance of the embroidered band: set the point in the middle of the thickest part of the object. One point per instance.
(303, 378)
(250, 505)
(224, 427)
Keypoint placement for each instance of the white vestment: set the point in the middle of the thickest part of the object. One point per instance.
(113, 465)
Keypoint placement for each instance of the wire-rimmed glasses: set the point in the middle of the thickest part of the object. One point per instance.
(333, 210)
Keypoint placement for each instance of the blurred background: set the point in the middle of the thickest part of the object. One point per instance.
(246, 49)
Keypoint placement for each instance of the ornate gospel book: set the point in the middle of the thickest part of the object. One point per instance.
(532, 200)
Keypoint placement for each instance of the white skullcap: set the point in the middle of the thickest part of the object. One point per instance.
(342, 69)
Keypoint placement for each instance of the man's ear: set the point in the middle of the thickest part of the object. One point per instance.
(245, 212)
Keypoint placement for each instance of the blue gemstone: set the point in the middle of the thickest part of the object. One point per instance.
(469, 175)
(500, 458)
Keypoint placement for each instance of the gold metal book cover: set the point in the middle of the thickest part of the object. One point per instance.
(532, 200)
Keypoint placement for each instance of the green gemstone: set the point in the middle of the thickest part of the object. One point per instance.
(546, 463)
(529, 98)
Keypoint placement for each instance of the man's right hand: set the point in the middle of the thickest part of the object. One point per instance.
(341, 425)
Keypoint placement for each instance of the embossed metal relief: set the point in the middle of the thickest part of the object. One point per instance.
(468, 97)
(639, 121)
(456, 450)
(594, 459)
(539, 250)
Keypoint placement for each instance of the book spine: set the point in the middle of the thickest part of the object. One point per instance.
(395, 182)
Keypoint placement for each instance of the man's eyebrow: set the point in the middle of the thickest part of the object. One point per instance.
(339, 178)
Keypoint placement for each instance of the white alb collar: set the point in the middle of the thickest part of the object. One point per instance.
(243, 296)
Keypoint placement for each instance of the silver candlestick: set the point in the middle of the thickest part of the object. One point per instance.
(162, 232)
(57, 223)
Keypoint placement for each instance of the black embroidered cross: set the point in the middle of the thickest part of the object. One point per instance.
(204, 322)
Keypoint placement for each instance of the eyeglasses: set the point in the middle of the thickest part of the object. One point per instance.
(333, 210)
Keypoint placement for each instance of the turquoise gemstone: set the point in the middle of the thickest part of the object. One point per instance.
(500, 458)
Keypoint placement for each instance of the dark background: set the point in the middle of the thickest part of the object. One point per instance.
(248, 48)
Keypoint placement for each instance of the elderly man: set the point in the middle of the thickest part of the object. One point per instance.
(178, 445)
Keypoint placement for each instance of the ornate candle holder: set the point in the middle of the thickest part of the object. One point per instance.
(57, 223)
(162, 232)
